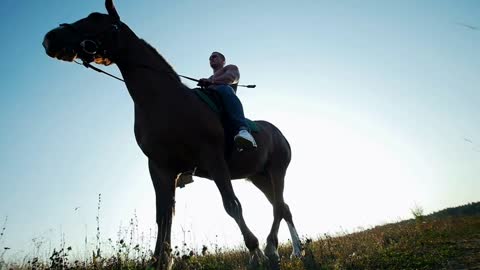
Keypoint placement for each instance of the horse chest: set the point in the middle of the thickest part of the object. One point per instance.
(149, 141)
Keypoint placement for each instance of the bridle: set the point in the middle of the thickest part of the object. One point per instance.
(91, 46)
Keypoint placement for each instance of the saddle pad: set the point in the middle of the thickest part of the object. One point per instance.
(205, 98)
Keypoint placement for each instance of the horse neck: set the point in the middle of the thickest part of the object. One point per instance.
(151, 81)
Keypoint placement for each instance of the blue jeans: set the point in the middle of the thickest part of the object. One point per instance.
(232, 105)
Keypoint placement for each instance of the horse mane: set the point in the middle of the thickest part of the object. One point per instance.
(166, 64)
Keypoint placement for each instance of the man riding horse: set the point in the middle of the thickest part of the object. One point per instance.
(224, 81)
(176, 140)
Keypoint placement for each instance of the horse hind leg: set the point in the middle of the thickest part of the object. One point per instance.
(284, 210)
(277, 179)
(297, 244)
(263, 182)
(220, 174)
(272, 185)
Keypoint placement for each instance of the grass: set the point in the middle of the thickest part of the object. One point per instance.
(435, 244)
(420, 243)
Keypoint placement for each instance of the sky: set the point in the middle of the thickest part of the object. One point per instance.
(378, 99)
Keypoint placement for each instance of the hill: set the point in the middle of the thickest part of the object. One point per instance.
(467, 210)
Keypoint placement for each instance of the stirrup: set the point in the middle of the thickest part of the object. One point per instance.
(184, 179)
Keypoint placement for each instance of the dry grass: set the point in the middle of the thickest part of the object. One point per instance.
(422, 243)
(448, 243)
(435, 244)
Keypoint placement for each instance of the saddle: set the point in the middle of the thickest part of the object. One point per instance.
(214, 101)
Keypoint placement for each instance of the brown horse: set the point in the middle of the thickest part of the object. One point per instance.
(179, 132)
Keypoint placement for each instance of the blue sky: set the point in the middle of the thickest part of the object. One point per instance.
(376, 98)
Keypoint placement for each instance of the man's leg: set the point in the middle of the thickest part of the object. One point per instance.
(234, 109)
(233, 106)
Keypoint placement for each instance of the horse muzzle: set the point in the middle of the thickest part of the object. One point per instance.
(53, 49)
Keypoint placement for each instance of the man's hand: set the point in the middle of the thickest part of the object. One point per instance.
(204, 82)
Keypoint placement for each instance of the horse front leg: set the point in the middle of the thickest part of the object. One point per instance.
(164, 184)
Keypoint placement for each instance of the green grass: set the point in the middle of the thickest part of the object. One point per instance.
(421, 243)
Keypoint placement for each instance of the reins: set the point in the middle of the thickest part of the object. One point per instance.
(195, 80)
(88, 65)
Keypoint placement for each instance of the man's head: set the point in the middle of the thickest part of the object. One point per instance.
(217, 60)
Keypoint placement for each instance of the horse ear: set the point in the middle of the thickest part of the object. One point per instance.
(111, 9)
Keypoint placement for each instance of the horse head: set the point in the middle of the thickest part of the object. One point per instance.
(91, 39)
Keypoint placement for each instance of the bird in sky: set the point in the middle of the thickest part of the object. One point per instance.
(471, 27)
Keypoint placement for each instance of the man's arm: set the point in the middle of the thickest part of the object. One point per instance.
(227, 75)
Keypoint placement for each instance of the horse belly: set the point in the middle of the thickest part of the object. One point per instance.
(243, 165)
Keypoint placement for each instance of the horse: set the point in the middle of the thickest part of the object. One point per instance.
(178, 132)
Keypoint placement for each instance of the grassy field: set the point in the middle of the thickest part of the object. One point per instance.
(449, 239)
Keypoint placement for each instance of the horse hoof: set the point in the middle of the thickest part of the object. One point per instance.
(158, 265)
(273, 257)
(274, 264)
(258, 261)
(297, 254)
(183, 180)
(166, 266)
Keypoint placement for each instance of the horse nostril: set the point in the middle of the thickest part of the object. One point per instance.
(50, 42)
(48, 49)
(46, 43)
